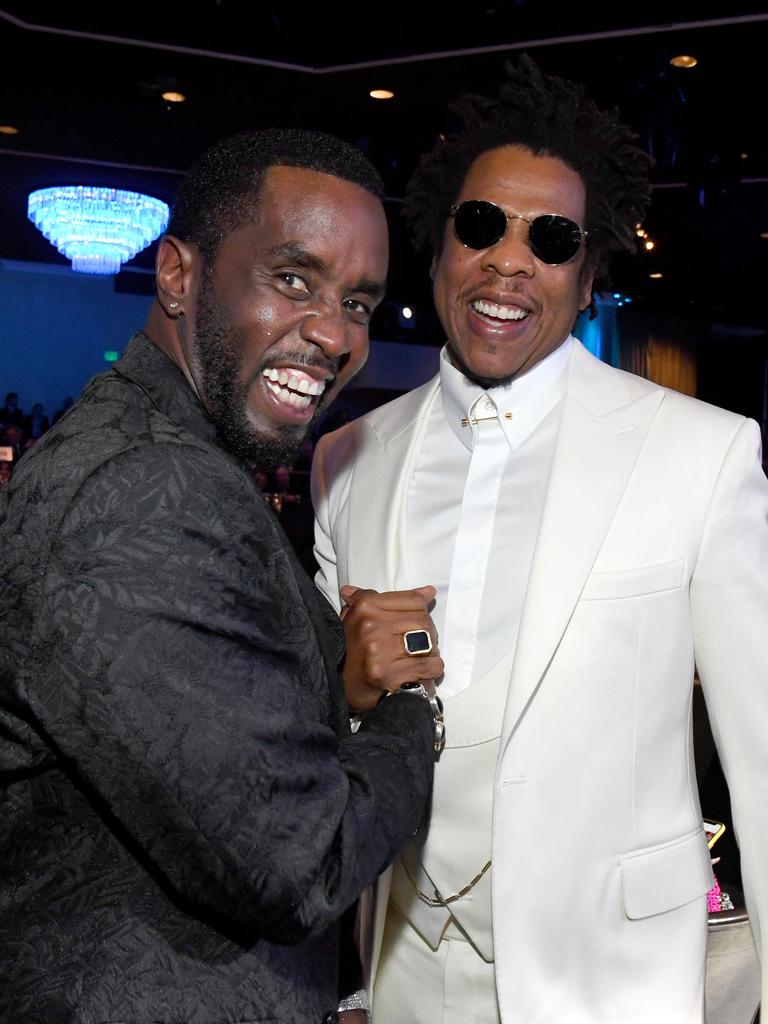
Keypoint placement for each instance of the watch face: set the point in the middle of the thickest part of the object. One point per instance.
(417, 641)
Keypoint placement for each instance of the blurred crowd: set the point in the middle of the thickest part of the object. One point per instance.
(20, 430)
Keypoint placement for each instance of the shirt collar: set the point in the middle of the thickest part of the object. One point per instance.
(520, 405)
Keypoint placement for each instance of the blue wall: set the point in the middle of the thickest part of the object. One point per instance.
(55, 327)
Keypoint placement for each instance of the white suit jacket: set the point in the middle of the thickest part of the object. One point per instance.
(652, 551)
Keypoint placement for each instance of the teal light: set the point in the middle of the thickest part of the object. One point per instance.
(110, 356)
(97, 228)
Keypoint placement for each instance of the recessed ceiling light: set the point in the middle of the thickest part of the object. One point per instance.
(656, 276)
(174, 97)
(649, 244)
(744, 156)
(8, 129)
(381, 94)
(684, 60)
(764, 234)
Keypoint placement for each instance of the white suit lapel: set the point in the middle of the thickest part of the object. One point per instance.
(378, 498)
(602, 430)
(377, 505)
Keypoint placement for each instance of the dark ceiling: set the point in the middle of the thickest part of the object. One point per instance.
(82, 84)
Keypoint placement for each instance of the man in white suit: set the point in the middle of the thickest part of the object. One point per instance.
(589, 535)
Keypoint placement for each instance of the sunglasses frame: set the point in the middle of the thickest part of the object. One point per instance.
(517, 216)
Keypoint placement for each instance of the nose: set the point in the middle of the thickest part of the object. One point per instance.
(511, 255)
(326, 326)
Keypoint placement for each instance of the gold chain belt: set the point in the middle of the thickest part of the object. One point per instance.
(440, 901)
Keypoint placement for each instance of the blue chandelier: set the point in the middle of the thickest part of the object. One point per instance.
(97, 228)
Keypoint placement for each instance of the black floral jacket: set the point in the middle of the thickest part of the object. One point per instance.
(184, 812)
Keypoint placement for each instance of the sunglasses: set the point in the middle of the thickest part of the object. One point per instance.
(554, 240)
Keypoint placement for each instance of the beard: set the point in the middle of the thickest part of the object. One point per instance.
(484, 382)
(217, 352)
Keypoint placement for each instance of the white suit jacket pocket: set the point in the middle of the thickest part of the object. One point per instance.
(635, 582)
(660, 878)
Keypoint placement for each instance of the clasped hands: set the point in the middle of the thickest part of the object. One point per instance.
(376, 661)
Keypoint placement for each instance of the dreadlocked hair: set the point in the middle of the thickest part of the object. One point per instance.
(549, 117)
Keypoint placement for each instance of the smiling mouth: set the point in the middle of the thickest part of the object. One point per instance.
(492, 311)
(293, 387)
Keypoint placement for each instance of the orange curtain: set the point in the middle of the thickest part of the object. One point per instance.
(671, 364)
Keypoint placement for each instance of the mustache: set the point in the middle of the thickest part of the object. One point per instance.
(508, 293)
(303, 358)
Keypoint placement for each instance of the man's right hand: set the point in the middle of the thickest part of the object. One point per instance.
(376, 660)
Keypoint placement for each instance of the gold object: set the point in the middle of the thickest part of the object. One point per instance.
(477, 419)
(439, 901)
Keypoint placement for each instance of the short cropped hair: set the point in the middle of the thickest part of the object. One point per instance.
(547, 116)
(221, 190)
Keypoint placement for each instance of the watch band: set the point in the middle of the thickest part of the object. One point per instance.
(435, 706)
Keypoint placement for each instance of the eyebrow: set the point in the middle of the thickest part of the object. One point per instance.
(295, 253)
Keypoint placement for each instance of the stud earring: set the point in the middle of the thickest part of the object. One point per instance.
(173, 305)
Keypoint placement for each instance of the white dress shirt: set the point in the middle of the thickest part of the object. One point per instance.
(474, 505)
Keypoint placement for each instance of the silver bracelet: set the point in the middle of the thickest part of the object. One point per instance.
(435, 706)
(357, 1001)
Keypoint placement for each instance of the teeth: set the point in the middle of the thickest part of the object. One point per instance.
(499, 312)
(289, 397)
(299, 386)
(298, 401)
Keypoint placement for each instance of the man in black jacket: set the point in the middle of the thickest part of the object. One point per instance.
(185, 813)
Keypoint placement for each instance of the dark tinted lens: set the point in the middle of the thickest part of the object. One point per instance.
(554, 239)
(479, 225)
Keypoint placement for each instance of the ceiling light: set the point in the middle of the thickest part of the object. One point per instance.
(174, 97)
(744, 156)
(381, 94)
(8, 129)
(649, 244)
(407, 312)
(656, 276)
(684, 60)
(97, 228)
(640, 232)
(764, 234)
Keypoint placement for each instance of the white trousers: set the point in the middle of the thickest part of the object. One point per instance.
(415, 985)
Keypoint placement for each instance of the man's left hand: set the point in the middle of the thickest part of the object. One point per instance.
(376, 660)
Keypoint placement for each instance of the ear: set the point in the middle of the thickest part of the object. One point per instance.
(586, 280)
(176, 268)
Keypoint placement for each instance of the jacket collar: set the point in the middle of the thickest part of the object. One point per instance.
(166, 387)
(599, 388)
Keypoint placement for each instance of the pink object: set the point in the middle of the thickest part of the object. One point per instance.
(713, 898)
